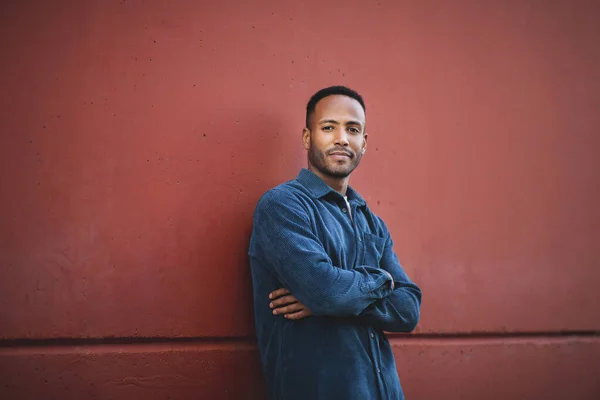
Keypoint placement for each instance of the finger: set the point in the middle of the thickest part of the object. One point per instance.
(299, 314)
(282, 301)
(278, 293)
(290, 308)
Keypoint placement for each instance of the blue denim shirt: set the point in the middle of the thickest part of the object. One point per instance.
(340, 265)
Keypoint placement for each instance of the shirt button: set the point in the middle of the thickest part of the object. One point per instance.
(343, 210)
(372, 335)
(378, 370)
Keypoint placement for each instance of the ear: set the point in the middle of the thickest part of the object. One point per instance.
(306, 138)
(364, 146)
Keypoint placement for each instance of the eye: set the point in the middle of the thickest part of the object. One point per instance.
(327, 128)
(353, 129)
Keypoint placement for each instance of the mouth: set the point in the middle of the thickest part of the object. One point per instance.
(340, 154)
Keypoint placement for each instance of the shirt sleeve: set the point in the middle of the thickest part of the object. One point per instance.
(400, 311)
(282, 228)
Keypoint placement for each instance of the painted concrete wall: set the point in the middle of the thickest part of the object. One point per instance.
(137, 137)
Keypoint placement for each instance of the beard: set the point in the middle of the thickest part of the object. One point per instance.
(336, 169)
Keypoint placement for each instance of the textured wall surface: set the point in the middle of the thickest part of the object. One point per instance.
(137, 137)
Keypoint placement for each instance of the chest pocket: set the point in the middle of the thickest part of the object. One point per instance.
(373, 250)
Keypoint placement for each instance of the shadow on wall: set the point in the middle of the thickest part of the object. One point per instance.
(143, 233)
(240, 165)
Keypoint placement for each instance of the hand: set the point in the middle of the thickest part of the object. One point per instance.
(284, 303)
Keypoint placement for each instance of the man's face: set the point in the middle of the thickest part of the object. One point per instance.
(336, 138)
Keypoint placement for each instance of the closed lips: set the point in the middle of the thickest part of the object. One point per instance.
(340, 153)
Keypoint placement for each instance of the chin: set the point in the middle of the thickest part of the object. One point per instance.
(339, 172)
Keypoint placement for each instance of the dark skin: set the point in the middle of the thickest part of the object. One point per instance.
(284, 303)
(335, 141)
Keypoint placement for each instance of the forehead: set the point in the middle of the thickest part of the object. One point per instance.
(339, 108)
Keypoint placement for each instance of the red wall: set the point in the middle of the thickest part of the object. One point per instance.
(137, 137)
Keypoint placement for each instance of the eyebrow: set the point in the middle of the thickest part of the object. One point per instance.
(333, 121)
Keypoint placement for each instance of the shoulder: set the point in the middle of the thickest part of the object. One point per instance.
(284, 196)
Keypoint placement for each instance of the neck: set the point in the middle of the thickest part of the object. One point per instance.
(340, 185)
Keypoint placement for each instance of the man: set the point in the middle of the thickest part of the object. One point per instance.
(327, 282)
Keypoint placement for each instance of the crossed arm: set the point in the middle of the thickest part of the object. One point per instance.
(380, 295)
(398, 312)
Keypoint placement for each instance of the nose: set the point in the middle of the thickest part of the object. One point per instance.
(341, 137)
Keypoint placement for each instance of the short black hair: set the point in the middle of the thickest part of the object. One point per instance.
(330, 91)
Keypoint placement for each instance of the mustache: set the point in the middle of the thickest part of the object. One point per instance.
(340, 150)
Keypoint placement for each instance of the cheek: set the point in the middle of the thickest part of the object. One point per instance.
(319, 143)
(358, 144)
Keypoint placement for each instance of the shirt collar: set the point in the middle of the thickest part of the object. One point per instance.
(318, 188)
